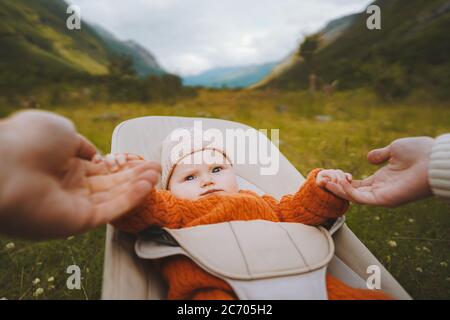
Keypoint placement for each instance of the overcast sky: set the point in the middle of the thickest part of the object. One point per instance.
(191, 36)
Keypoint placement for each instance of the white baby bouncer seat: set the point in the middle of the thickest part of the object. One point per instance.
(129, 272)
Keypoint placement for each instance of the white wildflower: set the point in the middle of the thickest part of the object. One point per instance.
(38, 292)
(443, 264)
(10, 246)
(70, 238)
(376, 218)
(419, 269)
(51, 279)
(411, 220)
(36, 281)
(426, 249)
(392, 243)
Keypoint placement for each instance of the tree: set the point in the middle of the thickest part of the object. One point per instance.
(308, 50)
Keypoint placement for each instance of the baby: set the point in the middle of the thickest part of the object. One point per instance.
(194, 193)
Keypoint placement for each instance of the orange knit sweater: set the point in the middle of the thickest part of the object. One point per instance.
(311, 205)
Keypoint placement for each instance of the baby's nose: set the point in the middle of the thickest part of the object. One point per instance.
(207, 181)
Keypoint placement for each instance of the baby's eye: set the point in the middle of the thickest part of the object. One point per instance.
(217, 169)
(189, 178)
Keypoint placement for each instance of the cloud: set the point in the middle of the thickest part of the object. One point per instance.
(191, 36)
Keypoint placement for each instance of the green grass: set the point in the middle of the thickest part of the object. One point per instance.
(358, 123)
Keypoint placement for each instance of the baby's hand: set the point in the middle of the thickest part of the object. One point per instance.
(118, 161)
(332, 181)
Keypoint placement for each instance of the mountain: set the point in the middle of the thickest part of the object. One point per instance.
(230, 77)
(143, 61)
(36, 44)
(410, 52)
(37, 47)
(328, 34)
(336, 28)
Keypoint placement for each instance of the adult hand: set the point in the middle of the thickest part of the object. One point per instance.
(50, 188)
(403, 179)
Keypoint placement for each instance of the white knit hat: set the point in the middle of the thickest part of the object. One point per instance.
(181, 143)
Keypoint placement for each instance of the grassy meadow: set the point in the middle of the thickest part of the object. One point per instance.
(315, 131)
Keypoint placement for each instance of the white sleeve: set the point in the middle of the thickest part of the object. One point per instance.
(439, 167)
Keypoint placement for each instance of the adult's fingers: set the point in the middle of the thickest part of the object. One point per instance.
(95, 168)
(131, 156)
(110, 194)
(100, 167)
(108, 211)
(357, 195)
(85, 149)
(104, 182)
(363, 183)
(134, 163)
(379, 156)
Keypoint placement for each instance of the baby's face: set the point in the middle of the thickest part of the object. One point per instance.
(215, 176)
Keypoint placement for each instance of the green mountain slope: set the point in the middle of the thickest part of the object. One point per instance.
(35, 43)
(36, 46)
(143, 61)
(409, 52)
(328, 34)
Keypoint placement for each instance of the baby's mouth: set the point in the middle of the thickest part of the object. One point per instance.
(210, 191)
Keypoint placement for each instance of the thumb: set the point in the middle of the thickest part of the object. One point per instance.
(378, 156)
(85, 149)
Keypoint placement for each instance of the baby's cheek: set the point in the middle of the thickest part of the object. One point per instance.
(187, 190)
(232, 185)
